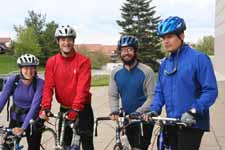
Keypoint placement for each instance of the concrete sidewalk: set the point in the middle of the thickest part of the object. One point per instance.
(213, 140)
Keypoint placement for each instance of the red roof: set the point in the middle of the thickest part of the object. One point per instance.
(5, 39)
(106, 49)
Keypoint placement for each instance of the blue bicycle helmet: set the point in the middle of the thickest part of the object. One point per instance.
(171, 25)
(128, 40)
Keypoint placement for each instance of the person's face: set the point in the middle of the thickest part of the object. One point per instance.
(171, 42)
(128, 55)
(28, 72)
(66, 45)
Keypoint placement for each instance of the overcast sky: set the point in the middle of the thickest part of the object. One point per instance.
(95, 20)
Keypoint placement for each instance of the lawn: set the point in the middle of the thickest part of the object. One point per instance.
(7, 64)
(100, 80)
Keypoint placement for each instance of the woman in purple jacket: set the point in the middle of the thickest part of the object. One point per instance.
(26, 91)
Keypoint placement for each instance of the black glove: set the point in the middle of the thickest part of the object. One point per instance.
(116, 113)
(135, 115)
(152, 114)
(188, 118)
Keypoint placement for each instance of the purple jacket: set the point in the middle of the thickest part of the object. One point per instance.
(25, 97)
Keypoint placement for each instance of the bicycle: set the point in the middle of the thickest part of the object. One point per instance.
(8, 141)
(121, 124)
(50, 137)
(162, 122)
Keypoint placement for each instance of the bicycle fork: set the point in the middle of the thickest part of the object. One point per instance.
(161, 145)
(75, 144)
(76, 137)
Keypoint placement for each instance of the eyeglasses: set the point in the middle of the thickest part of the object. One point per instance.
(127, 50)
(171, 72)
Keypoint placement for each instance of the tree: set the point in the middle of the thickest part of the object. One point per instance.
(48, 43)
(27, 42)
(42, 32)
(206, 45)
(138, 20)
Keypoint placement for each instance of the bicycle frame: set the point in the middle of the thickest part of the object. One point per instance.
(162, 121)
(6, 134)
(75, 144)
(120, 127)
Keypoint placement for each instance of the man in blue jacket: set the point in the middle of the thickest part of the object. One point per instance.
(186, 86)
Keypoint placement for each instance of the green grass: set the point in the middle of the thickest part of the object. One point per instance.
(7, 64)
(100, 80)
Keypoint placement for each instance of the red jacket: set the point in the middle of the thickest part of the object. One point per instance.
(70, 77)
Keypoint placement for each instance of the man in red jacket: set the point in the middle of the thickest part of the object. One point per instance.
(68, 73)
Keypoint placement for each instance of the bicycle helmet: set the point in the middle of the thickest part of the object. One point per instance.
(171, 25)
(65, 31)
(27, 60)
(128, 40)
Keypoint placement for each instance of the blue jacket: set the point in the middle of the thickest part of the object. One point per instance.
(193, 85)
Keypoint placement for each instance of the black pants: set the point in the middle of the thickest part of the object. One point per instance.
(135, 138)
(85, 128)
(32, 140)
(183, 138)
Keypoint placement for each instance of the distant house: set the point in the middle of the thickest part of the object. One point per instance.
(106, 49)
(3, 48)
(5, 44)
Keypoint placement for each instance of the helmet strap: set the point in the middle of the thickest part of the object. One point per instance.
(23, 78)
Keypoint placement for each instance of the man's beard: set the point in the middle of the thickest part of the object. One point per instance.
(129, 62)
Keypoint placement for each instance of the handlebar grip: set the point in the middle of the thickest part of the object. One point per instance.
(103, 118)
(96, 123)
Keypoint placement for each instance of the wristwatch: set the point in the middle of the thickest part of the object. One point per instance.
(193, 111)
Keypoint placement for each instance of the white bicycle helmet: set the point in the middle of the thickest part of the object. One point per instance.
(27, 60)
(65, 31)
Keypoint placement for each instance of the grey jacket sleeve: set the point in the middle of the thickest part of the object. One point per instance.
(113, 93)
(148, 86)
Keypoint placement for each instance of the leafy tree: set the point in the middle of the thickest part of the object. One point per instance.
(206, 45)
(42, 32)
(27, 42)
(138, 19)
(47, 41)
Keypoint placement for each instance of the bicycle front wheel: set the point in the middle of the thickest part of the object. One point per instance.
(48, 139)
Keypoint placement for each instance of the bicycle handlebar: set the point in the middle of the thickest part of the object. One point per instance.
(159, 118)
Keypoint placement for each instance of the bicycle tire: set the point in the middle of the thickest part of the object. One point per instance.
(48, 139)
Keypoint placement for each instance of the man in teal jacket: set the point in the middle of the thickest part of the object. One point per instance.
(186, 86)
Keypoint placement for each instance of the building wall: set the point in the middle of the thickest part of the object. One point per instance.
(220, 37)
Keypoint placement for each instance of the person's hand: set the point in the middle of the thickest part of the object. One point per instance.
(148, 116)
(18, 131)
(114, 115)
(188, 118)
(72, 115)
(44, 113)
(135, 115)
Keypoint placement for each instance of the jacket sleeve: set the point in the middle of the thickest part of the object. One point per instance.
(113, 93)
(148, 86)
(83, 86)
(6, 92)
(158, 99)
(208, 85)
(49, 84)
(35, 105)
